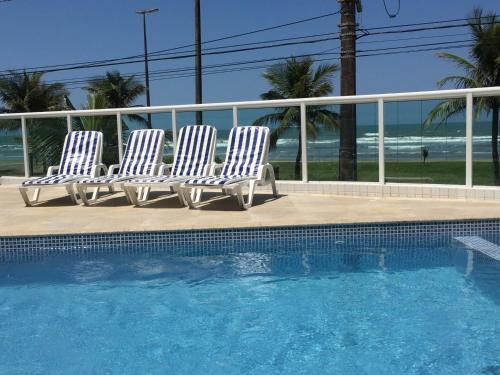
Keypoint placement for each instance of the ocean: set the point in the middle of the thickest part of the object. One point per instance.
(402, 143)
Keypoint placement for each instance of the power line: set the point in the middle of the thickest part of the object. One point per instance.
(255, 31)
(183, 69)
(162, 75)
(215, 50)
(392, 15)
(129, 74)
(185, 46)
(127, 60)
(189, 55)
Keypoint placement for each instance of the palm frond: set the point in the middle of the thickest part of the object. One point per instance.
(444, 110)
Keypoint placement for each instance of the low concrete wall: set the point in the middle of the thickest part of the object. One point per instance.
(367, 189)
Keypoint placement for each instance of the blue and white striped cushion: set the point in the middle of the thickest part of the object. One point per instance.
(105, 179)
(143, 152)
(50, 180)
(218, 181)
(160, 179)
(245, 151)
(80, 154)
(194, 150)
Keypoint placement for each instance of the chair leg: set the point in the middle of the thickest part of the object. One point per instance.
(145, 193)
(186, 194)
(127, 196)
(196, 195)
(239, 195)
(71, 193)
(180, 195)
(24, 194)
(131, 193)
(95, 195)
(273, 182)
(82, 192)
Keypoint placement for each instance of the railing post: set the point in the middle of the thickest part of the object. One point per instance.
(381, 146)
(119, 133)
(235, 116)
(469, 120)
(68, 123)
(26, 156)
(303, 138)
(174, 128)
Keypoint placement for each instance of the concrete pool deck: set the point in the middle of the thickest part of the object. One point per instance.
(57, 215)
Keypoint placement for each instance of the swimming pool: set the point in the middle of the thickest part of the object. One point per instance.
(369, 299)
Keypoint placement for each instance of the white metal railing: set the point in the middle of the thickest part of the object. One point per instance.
(379, 99)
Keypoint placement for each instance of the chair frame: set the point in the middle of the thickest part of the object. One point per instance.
(138, 192)
(118, 185)
(265, 176)
(68, 185)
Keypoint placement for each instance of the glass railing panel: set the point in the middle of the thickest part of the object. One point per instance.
(323, 142)
(45, 143)
(285, 149)
(485, 170)
(11, 148)
(422, 148)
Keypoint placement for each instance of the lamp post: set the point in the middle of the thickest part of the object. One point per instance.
(197, 61)
(144, 12)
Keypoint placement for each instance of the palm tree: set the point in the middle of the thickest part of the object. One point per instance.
(119, 91)
(27, 92)
(481, 70)
(296, 78)
(104, 124)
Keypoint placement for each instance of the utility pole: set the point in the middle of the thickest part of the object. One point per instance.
(144, 12)
(197, 62)
(347, 151)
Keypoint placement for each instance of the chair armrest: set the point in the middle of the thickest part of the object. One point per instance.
(112, 168)
(261, 173)
(52, 169)
(216, 169)
(164, 169)
(96, 170)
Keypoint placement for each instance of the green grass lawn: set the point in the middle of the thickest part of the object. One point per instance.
(436, 172)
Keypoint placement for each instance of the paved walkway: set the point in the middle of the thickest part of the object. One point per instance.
(57, 215)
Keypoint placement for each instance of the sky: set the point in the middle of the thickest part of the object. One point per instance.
(46, 32)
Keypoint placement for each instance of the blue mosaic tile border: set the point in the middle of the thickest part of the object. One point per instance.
(239, 240)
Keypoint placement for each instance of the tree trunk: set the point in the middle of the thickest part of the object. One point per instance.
(298, 159)
(494, 143)
(347, 151)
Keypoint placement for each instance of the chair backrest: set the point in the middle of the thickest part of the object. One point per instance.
(143, 153)
(247, 149)
(81, 151)
(194, 151)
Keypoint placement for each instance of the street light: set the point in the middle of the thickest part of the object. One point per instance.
(146, 65)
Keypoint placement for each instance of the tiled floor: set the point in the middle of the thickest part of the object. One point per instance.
(57, 215)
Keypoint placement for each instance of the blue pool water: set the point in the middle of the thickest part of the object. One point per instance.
(343, 309)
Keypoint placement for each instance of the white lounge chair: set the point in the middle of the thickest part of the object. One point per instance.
(245, 166)
(193, 158)
(81, 157)
(142, 158)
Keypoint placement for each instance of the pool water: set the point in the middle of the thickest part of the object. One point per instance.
(395, 309)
